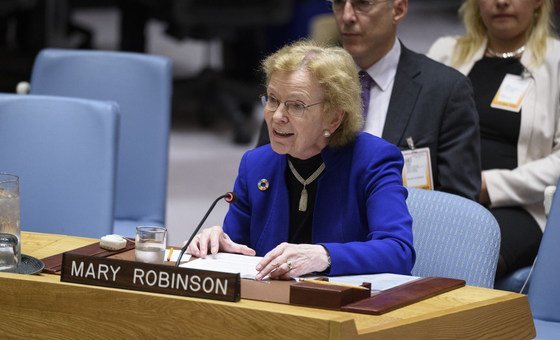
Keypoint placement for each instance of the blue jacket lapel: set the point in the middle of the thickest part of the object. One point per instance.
(277, 224)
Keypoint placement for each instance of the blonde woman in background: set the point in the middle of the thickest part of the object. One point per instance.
(508, 46)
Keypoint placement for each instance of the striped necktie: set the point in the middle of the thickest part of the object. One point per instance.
(366, 81)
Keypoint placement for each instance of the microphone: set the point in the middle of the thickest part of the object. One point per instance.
(228, 197)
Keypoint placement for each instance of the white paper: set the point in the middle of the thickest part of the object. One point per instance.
(417, 170)
(228, 263)
(511, 93)
(378, 281)
(245, 266)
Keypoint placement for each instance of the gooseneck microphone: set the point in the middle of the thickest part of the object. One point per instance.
(228, 197)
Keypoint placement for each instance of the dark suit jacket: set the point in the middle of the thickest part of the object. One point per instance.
(434, 104)
(360, 213)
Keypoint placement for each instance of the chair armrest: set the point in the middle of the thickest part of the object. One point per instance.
(548, 194)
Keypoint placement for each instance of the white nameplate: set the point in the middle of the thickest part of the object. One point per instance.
(417, 170)
(511, 93)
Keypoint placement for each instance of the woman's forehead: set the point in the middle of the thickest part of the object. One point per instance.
(297, 81)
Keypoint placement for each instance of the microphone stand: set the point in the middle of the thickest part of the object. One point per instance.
(229, 198)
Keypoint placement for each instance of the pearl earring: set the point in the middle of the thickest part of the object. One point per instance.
(326, 133)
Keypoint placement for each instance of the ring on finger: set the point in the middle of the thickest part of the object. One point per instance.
(289, 264)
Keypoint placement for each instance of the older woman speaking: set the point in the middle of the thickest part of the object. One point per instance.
(322, 197)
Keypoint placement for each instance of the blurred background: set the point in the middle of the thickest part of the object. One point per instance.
(216, 47)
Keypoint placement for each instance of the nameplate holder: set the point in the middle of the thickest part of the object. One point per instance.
(324, 294)
(154, 278)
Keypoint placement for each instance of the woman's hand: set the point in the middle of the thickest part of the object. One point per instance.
(217, 240)
(291, 260)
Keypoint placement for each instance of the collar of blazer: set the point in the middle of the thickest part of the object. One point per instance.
(405, 94)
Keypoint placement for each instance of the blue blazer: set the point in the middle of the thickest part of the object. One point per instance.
(360, 213)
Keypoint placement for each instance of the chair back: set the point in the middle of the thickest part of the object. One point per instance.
(544, 295)
(64, 151)
(141, 85)
(453, 237)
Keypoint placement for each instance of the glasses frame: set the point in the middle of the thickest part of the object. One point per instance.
(342, 4)
(287, 104)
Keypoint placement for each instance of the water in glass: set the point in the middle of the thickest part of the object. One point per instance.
(150, 244)
(10, 245)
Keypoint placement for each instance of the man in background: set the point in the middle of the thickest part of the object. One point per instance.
(410, 100)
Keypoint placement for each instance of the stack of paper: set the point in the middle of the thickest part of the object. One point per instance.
(228, 263)
(245, 266)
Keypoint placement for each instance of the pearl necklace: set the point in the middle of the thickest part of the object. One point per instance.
(505, 55)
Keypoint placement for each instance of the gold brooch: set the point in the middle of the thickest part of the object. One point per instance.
(263, 184)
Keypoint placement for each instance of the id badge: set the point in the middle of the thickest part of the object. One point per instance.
(417, 170)
(511, 93)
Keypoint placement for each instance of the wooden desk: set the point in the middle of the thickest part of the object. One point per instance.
(42, 306)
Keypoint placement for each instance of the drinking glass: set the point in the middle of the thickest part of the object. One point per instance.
(10, 247)
(150, 244)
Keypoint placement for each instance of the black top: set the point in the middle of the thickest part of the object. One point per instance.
(499, 129)
(301, 221)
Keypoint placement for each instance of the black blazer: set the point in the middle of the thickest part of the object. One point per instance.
(434, 104)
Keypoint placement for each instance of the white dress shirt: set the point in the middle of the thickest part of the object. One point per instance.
(383, 74)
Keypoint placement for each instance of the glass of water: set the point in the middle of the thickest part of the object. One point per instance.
(150, 244)
(10, 247)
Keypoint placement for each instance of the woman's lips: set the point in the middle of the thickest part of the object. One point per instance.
(503, 16)
(282, 134)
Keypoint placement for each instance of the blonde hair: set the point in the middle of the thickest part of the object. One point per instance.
(335, 71)
(468, 44)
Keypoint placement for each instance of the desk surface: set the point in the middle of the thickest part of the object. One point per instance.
(42, 305)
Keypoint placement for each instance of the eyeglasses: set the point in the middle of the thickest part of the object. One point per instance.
(361, 6)
(295, 108)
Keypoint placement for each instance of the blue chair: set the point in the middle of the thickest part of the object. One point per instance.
(64, 151)
(544, 295)
(141, 85)
(453, 237)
